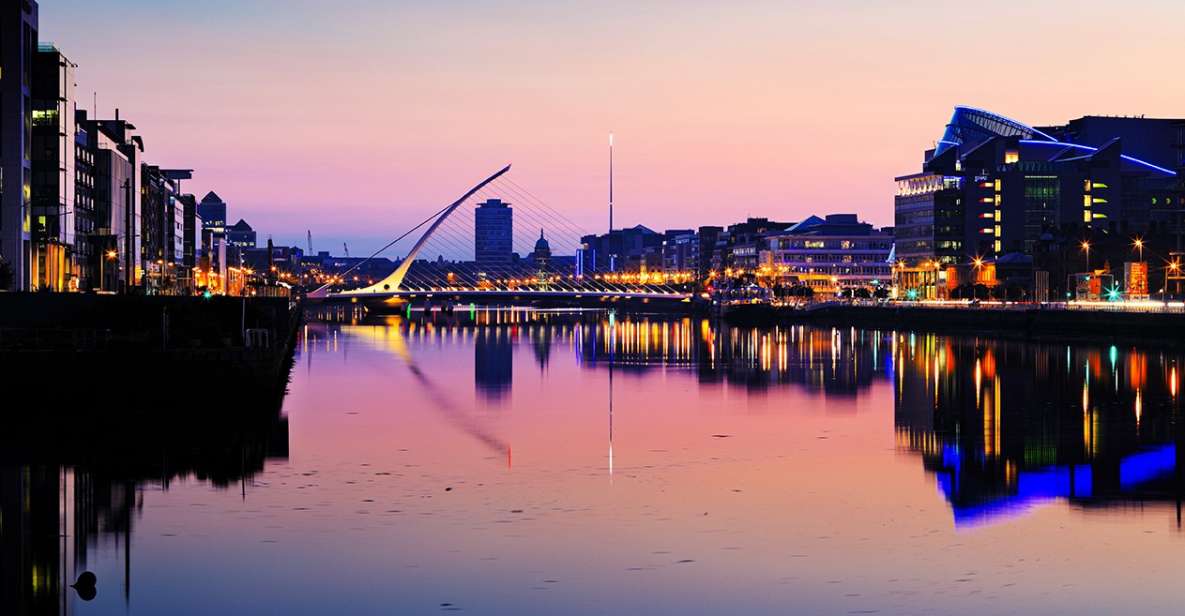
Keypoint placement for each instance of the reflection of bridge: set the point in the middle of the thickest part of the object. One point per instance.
(538, 279)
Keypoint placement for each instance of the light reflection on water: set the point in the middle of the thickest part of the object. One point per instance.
(519, 462)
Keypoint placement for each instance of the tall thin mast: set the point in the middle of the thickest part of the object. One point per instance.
(610, 182)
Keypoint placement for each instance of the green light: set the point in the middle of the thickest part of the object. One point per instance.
(207, 294)
(912, 294)
(1113, 294)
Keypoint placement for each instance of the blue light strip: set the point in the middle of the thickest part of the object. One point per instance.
(1130, 159)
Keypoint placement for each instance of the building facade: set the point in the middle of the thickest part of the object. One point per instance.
(830, 255)
(493, 236)
(212, 211)
(54, 263)
(18, 45)
(994, 186)
(241, 235)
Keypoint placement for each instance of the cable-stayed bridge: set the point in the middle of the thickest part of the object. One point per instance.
(460, 253)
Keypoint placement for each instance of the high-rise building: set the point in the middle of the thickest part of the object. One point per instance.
(86, 246)
(115, 153)
(212, 211)
(190, 233)
(18, 44)
(493, 236)
(53, 263)
(994, 186)
(163, 227)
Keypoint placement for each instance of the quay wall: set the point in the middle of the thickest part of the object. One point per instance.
(1017, 322)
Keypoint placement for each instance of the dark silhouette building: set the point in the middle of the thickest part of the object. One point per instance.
(241, 235)
(541, 256)
(18, 44)
(493, 237)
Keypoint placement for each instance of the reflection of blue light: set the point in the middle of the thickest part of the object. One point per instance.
(1087, 148)
(1032, 488)
(1141, 467)
(1038, 486)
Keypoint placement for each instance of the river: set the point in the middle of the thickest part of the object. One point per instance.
(523, 462)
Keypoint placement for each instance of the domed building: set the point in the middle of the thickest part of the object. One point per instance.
(542, 253)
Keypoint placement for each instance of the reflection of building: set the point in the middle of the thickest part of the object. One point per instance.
(70, 497)
(493, 233)
(493, 361)
(1004, 426)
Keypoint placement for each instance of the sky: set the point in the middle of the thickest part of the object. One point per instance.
(356, 119)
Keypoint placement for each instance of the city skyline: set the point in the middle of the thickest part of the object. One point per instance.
(765, 111)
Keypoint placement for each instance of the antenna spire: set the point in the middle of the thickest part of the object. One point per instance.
(611, 182)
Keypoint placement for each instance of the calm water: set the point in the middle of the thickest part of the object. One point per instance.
(577, 464)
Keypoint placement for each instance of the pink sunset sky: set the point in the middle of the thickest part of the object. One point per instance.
(356, 119)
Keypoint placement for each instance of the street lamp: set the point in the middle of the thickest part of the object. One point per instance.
(1086, 249)
(1138, 244)
(1174, 267)
(110, 256)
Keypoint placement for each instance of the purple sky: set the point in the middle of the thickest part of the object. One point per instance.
(357, 119)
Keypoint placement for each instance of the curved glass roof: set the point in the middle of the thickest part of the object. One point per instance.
(970, 127)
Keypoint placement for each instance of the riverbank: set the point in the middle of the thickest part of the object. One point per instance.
(1012, 322)
(146, 352)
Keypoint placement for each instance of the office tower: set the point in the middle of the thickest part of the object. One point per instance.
(493, 233)
(54, 263)
(18, 43)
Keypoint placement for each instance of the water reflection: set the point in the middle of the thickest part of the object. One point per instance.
(1002, 426)
(70, 487)
(624, 461)
(1006, 426)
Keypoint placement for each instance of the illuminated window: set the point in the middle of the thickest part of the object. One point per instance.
(1011, 156)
